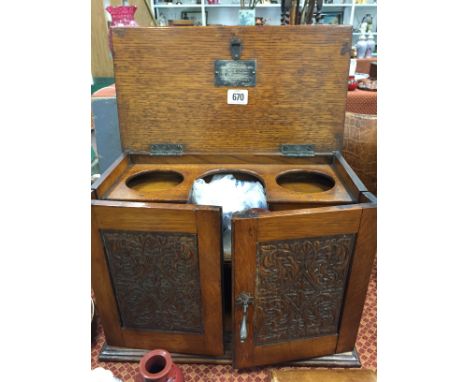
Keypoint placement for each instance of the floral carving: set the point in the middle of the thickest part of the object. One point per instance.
(156, 279)
(299, 287)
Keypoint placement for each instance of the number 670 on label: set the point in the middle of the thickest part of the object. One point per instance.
(237, 97)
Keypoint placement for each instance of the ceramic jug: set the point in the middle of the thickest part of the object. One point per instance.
(370, 45)
(361, 46)
(157, 366)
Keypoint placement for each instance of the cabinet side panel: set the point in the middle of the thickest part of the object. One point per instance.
(347, 175)
(108, 178)
(360, 271)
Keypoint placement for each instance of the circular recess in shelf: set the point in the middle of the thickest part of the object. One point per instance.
(305, 181)
(150, 181)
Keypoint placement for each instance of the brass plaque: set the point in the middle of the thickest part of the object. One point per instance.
(235, 72)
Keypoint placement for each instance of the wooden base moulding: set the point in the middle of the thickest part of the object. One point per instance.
(118, 354)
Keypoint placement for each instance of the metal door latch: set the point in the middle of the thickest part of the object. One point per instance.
(244, 299)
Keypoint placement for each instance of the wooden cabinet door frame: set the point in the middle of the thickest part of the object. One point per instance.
(360, 271)
(350, 230)
(126, 225)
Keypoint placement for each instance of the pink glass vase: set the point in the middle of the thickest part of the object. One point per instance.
(157, 366)
(122, 16)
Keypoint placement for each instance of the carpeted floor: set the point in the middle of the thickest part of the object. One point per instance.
(366, 346)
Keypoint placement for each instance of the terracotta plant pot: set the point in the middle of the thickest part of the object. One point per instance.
(157, 366)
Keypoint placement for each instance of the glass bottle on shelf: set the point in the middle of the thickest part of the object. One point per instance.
(162, 21)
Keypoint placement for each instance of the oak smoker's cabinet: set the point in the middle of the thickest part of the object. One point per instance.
(293, 284)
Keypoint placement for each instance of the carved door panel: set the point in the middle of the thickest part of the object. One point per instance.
(290, 274)
(156, 275)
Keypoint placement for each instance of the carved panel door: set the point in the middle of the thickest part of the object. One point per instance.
(291, 272)
(156, 275)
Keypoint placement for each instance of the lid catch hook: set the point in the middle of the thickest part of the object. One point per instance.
(236, 48)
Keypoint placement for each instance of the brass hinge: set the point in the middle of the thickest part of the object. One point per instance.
(297, 150)
(166, 149)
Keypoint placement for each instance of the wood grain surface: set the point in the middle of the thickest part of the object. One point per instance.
(242, 158)
(118, 354)
(111, 175)
(244, 243)
(247, 233)
(323, 376)
(360, 147)
(166, 93)
(160, 218)
(347, 175)
(143, 15)
(324, 221)
(360, 271)
(161, 186)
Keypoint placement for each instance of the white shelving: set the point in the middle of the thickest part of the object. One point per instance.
(175, 6)
(226, 13)
(237, 6)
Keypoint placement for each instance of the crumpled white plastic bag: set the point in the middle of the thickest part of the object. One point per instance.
(232, 194)
(100, 374)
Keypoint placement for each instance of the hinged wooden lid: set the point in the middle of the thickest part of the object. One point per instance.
(166, 91)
